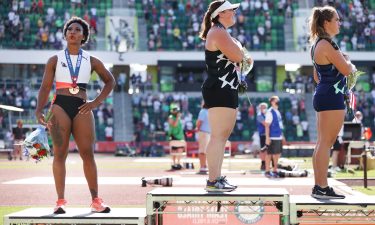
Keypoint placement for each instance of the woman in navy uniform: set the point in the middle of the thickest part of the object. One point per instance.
(331, 67)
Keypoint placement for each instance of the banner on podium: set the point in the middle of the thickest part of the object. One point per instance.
(247, 214)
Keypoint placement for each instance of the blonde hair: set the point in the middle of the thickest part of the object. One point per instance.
(207, 22)
(316, 22)
(263, 104)
(273, 98)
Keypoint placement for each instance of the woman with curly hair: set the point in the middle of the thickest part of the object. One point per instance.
(71, 70)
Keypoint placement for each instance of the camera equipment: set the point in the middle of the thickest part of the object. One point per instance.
(163, 181)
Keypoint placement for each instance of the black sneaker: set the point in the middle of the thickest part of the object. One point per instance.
(268, 174)
(275, 174)
(218, 186)
(223, 179)
(176, 167)
(325, 193)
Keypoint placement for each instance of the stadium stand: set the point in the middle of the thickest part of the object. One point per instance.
(357, 26)
(174, 25)
(150, 113)
(38, 24)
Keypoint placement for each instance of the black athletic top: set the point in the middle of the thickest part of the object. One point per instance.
(221, 71)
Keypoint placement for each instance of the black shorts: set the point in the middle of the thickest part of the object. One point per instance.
(275, 147)
(69, 104)
(336, 146)
(220, 97)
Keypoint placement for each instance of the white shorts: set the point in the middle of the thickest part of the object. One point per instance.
(18, 142)
(203, 139)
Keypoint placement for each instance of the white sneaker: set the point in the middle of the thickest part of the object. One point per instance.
(337, 169)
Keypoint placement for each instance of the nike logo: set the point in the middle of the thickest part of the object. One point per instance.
(323, 192)
(337, 89)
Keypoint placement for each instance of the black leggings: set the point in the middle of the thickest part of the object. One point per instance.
(69, 104)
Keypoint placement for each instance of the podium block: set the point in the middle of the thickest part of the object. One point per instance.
(77, 216)
(351, 210)
(177, 200)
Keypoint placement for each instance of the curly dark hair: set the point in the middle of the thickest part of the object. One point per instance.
(83, 23)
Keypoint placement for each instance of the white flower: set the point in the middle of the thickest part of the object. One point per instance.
(33, 151)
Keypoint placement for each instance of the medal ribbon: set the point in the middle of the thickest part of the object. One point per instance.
(74, 72)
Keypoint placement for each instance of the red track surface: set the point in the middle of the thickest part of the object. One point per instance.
(78, 194)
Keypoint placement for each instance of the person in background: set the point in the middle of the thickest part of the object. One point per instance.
(274, 136)
(336, 148)
(108, 130)
(203, 129)
(357, 117)
(176, 133)
(19, 136)
(261, 117)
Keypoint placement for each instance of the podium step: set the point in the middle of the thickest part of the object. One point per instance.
(200, 192)
(166, 201)
(77, 216)
(351, 210)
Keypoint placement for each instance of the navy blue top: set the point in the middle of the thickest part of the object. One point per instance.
(275, 129)
(261, 129)
(331, 81)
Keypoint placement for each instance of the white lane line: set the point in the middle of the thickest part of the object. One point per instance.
(177, 180)
(228, 160)
(168, 160)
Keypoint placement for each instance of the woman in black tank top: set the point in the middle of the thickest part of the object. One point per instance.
(223, 54)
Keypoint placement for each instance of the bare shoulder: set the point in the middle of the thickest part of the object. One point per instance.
(217, 37)
(325, 46)
(52, 60)
(216, 33)
(95, 61)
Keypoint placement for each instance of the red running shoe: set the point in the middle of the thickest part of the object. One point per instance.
(60, 206)
(98, 206)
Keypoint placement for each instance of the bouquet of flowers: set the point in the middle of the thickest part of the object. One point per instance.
(36, 143)
(245, 68)
(351, 80)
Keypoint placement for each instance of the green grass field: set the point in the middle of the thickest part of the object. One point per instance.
(367, 191)
(5, 210)
(355, 174)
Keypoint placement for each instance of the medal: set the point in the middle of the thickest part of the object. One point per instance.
(74, 72)
(74, 90)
